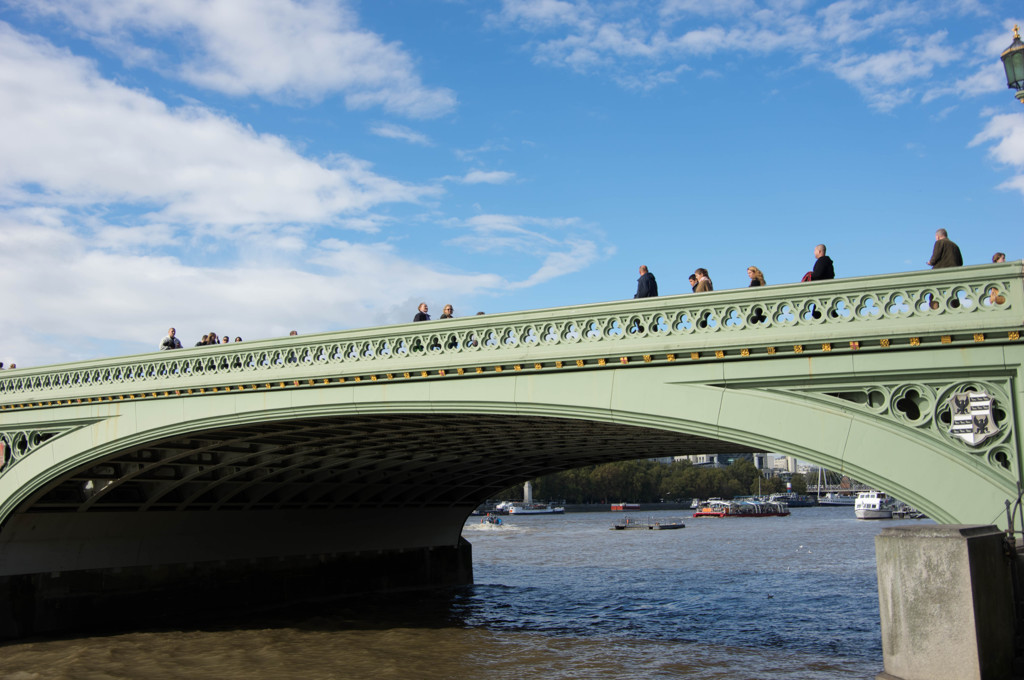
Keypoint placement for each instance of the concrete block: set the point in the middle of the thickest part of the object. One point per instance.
(946, 602)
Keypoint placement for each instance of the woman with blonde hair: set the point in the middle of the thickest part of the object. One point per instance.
(756, 277)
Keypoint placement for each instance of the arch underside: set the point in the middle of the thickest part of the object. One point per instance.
(410, 460)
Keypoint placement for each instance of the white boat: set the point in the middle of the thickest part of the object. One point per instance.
(528, 506)
(835, 500)
(874, 505)
(535, 509)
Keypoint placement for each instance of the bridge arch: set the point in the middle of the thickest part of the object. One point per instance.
(382, 441)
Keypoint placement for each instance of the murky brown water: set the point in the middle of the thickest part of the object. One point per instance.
(556, 597)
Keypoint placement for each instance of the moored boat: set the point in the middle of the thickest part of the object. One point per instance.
(836, 500)
(621, 507)
(874, 505)
(746, 508)
(793, 500)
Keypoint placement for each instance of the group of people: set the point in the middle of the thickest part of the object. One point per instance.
(945, 253)
(171, 340)
(422, 313)
(13, 365)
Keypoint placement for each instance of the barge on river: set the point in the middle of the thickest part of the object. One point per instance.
(650, 523)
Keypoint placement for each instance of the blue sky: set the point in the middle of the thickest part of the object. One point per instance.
(256, 166)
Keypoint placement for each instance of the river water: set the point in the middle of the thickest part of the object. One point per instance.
(555, 597)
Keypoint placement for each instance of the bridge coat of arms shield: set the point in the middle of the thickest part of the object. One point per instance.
(971, 417)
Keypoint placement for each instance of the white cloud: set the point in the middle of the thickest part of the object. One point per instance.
(544, 13)
(1007, 133)
(85, 295)
(704, 8)
(123, 216)
(883, 78)
(271, 48)
(75, 139)
(881, 57)
(392, 131)
(579, 255)
(487, 177)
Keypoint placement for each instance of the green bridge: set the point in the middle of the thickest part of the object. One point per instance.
(363, 451)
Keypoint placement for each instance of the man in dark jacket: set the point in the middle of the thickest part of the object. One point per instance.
(945, 253)
(646, 286)
(823, 269)
(422, 315)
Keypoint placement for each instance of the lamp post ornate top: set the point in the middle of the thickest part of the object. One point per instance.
(1013, 64)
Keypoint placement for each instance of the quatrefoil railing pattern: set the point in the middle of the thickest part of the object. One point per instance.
(943, 302)
(924, 406)
(15, 444)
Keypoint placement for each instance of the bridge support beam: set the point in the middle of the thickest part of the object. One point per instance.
(946, 599)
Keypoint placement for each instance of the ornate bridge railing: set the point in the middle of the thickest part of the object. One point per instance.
(949, 306)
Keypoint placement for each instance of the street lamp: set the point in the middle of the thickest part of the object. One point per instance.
(1013, 62)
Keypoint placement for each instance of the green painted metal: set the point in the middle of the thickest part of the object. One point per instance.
(853, 374)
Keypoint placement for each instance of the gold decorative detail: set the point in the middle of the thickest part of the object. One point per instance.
(670, 357)
(798, 348)
(915, 342)
(719, 354)
(854, 344)
(884, 342)
(312, 382)
(518, 367)
(498, 369)
(946, 339)
(327, 381)
(602, 362)
(826, 347)
(424, 374)
(462, 371)
(373, 378)
(341, 380)
(267, 386)
(694, 355)
(558, 364)
(623, 360)
(407, 375)
(391, 376)
(538, 366)
(479, 369)
(579, 362)
(1016, 32)
(441, 373)
(359, 379)
(744, 352)
(979, 337)
(647, 358)
(1014, 335)
(770, 350)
